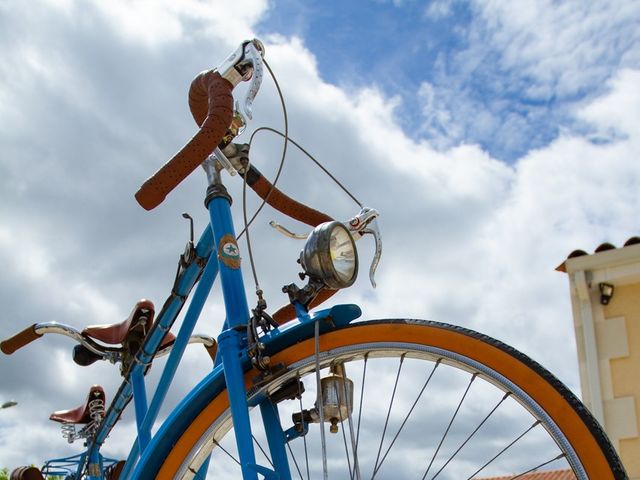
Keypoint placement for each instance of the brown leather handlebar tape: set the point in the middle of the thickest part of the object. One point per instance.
(199, 97)
(209, 89)
(19, 340)
(282, 202)
(288, 312)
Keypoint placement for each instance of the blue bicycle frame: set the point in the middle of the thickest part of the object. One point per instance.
(217, 254)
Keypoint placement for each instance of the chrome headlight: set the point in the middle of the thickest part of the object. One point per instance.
(330, 255)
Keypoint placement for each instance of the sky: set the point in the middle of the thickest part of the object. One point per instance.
(494, 137)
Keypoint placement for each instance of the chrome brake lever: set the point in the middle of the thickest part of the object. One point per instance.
(286, 232)
(365, 223)
(242, 65)
(374, 230)
(224, 161)
(255, 51)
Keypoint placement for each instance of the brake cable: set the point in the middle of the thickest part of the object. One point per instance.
(259, 317)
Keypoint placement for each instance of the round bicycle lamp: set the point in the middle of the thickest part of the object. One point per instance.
(330, 255)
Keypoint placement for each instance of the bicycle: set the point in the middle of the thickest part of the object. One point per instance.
(279, 381)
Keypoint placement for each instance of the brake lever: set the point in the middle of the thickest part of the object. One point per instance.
(366, 223)
(233, 158)
(224, 161)
(286, 232)
(375, 231)
(242, 65)
(255, 51)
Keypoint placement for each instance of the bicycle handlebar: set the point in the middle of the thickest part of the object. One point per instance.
(207, 89)
(282, 202)
(19, 340)
(211, 105)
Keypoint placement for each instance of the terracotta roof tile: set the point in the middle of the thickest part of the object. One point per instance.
(603, 247)
(632, 241)
(577, 253)
(549, 475)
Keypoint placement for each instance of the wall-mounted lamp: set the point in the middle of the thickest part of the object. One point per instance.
(606, 292)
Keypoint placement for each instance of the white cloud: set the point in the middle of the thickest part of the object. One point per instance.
(155, 23)
(618, 110)
(523, 68)
(565, 47)
(439, 9)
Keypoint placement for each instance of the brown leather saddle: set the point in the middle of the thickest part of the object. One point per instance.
(139, 320)
(129, 334)
(81, 414)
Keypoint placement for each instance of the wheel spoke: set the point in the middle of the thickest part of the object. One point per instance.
(435, 366)
(356, 468)
(562, 455)
(346, 447)
(386, 422)
(262, 450)
(506, 395)
(446, 432)
(304, 437)
(225, 451)
(535, 424)
(364, 376)
(293, 457)
(320, 401)
(295, 462)
(196, 474)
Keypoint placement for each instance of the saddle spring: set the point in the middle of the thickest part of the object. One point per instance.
(96, 413)
(68, 431)
(96, 410)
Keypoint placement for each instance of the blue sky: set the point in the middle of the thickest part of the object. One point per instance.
(494, 137)
(399, 46)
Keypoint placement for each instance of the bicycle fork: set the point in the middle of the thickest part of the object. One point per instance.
(232, 345)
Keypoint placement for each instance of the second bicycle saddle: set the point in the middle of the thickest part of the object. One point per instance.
(81, 414)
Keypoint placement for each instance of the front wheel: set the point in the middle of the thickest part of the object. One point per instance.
(427, 400)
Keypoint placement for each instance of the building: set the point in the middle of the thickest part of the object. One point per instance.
(605, 299)
(549, 475)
